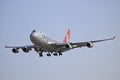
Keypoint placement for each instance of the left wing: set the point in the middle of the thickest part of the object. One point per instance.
(90, 43)
(67, 46)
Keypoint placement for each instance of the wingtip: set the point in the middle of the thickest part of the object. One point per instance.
(114, 37)
(5, 46)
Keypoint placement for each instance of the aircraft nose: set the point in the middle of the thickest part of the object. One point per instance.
(33, 35)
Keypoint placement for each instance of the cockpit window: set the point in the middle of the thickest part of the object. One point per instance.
(33, 30)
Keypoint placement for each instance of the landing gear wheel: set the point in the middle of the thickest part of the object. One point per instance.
(55, 54)
(60, 53)
(40, 54)
(48, 54)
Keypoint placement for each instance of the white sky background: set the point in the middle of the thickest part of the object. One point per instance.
(87, 19)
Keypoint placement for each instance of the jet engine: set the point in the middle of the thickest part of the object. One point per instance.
(89, 45)
(14, 50)
(36, 49)
(68, 46)
(25, 49)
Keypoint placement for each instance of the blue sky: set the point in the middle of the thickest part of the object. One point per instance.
(87, 19)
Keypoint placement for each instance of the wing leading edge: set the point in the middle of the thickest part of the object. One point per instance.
(58, 47)
(89, 43)
(67, 46)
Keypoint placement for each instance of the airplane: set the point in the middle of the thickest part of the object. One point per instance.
(42, 43)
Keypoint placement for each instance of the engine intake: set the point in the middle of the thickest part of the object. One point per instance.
(14, 50)
(68, 46)
(25, 49)
(89, 45)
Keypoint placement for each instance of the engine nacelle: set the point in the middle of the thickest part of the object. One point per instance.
(36, 49)
(89, 45)
(68, 46)
(14, 50)
(25, 49)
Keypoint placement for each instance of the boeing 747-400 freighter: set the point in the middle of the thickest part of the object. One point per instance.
(42, 43)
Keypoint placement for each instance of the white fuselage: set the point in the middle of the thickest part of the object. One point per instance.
(39, 39)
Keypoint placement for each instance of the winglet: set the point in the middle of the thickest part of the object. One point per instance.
(8, 46)
(114, 37)
(67, 37)
(5, 46)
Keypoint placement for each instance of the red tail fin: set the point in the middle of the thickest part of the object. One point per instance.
(67, 37)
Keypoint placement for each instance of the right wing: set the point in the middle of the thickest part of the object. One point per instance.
(15, 49)
(18, 47)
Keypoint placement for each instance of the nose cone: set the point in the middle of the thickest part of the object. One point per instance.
(33, 35)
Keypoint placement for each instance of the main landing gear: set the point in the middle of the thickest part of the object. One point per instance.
(40, 54)
(49, 54)
(55, 54)
(60, 53)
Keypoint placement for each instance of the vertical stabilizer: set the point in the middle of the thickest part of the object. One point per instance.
(67, 37)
